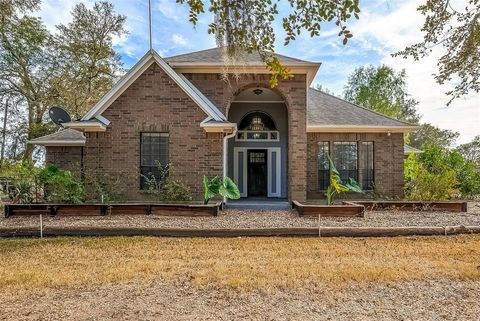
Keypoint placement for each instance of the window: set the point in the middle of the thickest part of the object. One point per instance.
(257, 126)
(367, 166)
(153, 155)
(345, 160)
(323, 165)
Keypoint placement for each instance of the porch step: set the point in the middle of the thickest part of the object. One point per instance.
(259, 205)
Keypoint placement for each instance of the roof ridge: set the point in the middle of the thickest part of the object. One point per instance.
(361, 107)
(192, 52)
(279, 55)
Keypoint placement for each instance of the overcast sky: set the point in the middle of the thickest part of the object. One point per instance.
(384, 28)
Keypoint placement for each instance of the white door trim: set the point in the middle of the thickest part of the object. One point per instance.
(278, 151)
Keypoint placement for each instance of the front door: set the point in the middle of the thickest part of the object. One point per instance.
(257, 172)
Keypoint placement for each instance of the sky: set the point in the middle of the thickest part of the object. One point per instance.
(384, 27)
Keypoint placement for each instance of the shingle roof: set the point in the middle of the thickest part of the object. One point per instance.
(325, 109)
(215, 56)
(63, 137)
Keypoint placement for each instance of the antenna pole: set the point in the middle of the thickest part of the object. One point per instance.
(150, 21)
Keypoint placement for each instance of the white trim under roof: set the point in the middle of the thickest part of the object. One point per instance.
(310, 69)
(143, 64)
(86, 125)
(359, 129)
(57, 142)
(211, 126)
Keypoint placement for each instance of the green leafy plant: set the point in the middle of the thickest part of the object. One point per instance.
(337, 186)
(31, 184)
(61, 186)
(429, 183)
(225, 187)
(166, 188)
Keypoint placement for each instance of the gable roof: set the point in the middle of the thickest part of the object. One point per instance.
(146, 61)
(325, 111)
(215, 56)
(212, 61)
(63, 137)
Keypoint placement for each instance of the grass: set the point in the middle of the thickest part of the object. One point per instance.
(235, 263)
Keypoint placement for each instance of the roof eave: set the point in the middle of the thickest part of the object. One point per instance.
(359, 129)
(310, 69)
(58, 143)
(225, 127)
(86, 126)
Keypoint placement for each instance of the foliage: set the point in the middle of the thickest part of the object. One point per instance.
(471, 151)
(30, 184)
(425, 185)
(383, 90)
(248, 26)
(165, 187)
(337, 186)
(428, 135)
(21, 182)
(86, 57)
(225, 187)
(441, 174)
(73, 67)
(103, 186)
(60, 186)
(456, 28)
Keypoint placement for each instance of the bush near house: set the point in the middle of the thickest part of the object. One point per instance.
(26, 183)
(440, 174)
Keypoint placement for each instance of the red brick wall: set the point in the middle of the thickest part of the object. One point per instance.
(222, 92)
(154, 103)
(68, 158)
(388, 161)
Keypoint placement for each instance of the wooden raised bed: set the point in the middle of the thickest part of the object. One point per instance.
(347, 209)
(450, 206)
(113, 209)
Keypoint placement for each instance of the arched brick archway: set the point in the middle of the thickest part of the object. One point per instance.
(294, 93)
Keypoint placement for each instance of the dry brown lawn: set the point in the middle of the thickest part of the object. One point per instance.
(234, 263)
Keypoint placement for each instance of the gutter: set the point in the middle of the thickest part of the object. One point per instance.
(225, 149)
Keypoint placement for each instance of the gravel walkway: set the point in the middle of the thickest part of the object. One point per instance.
(425, 300)
(257, 219)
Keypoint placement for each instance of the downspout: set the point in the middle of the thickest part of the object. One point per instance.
(225, 149)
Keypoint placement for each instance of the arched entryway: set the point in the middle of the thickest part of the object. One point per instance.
(258, 154)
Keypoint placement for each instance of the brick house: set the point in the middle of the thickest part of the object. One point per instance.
(184, 111)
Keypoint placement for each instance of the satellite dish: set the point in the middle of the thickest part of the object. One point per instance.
(59, 116)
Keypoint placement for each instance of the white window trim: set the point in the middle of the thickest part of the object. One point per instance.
(257, 140)
(278, 150)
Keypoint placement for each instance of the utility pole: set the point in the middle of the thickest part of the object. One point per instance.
(150, 22)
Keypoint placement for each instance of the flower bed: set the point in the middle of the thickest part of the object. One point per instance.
(347, 209)
(112, 209)
(450, 206)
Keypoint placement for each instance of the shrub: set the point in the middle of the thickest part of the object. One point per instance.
(61, 186)
(166, 188)
(21, 182)
(174, 191)
(427, 185)
(103, 186)
(437, 160)
(31, 184)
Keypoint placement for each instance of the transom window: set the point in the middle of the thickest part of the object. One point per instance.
(153, 156)
(257, 126)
